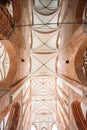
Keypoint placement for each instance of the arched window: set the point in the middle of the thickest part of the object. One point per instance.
(84, 67)
(54, 127)
(10, 8)
(13, 118)
(33, 127)
(4, 62)
(81, 58)
(44, 128)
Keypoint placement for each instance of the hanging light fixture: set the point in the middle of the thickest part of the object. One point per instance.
(85, 19)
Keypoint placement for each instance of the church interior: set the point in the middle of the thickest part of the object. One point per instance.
(43, 64)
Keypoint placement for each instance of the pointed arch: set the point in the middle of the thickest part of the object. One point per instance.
(78, 114)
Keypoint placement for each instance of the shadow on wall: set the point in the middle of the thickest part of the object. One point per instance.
(13, 118)
(80, 114)
(80, 9)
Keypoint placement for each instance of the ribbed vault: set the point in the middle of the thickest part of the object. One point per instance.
(44, 55)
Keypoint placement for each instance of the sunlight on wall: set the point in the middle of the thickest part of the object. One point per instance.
(84, 109)
(3, 122)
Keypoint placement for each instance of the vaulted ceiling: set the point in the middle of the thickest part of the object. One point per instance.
(44, 57)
